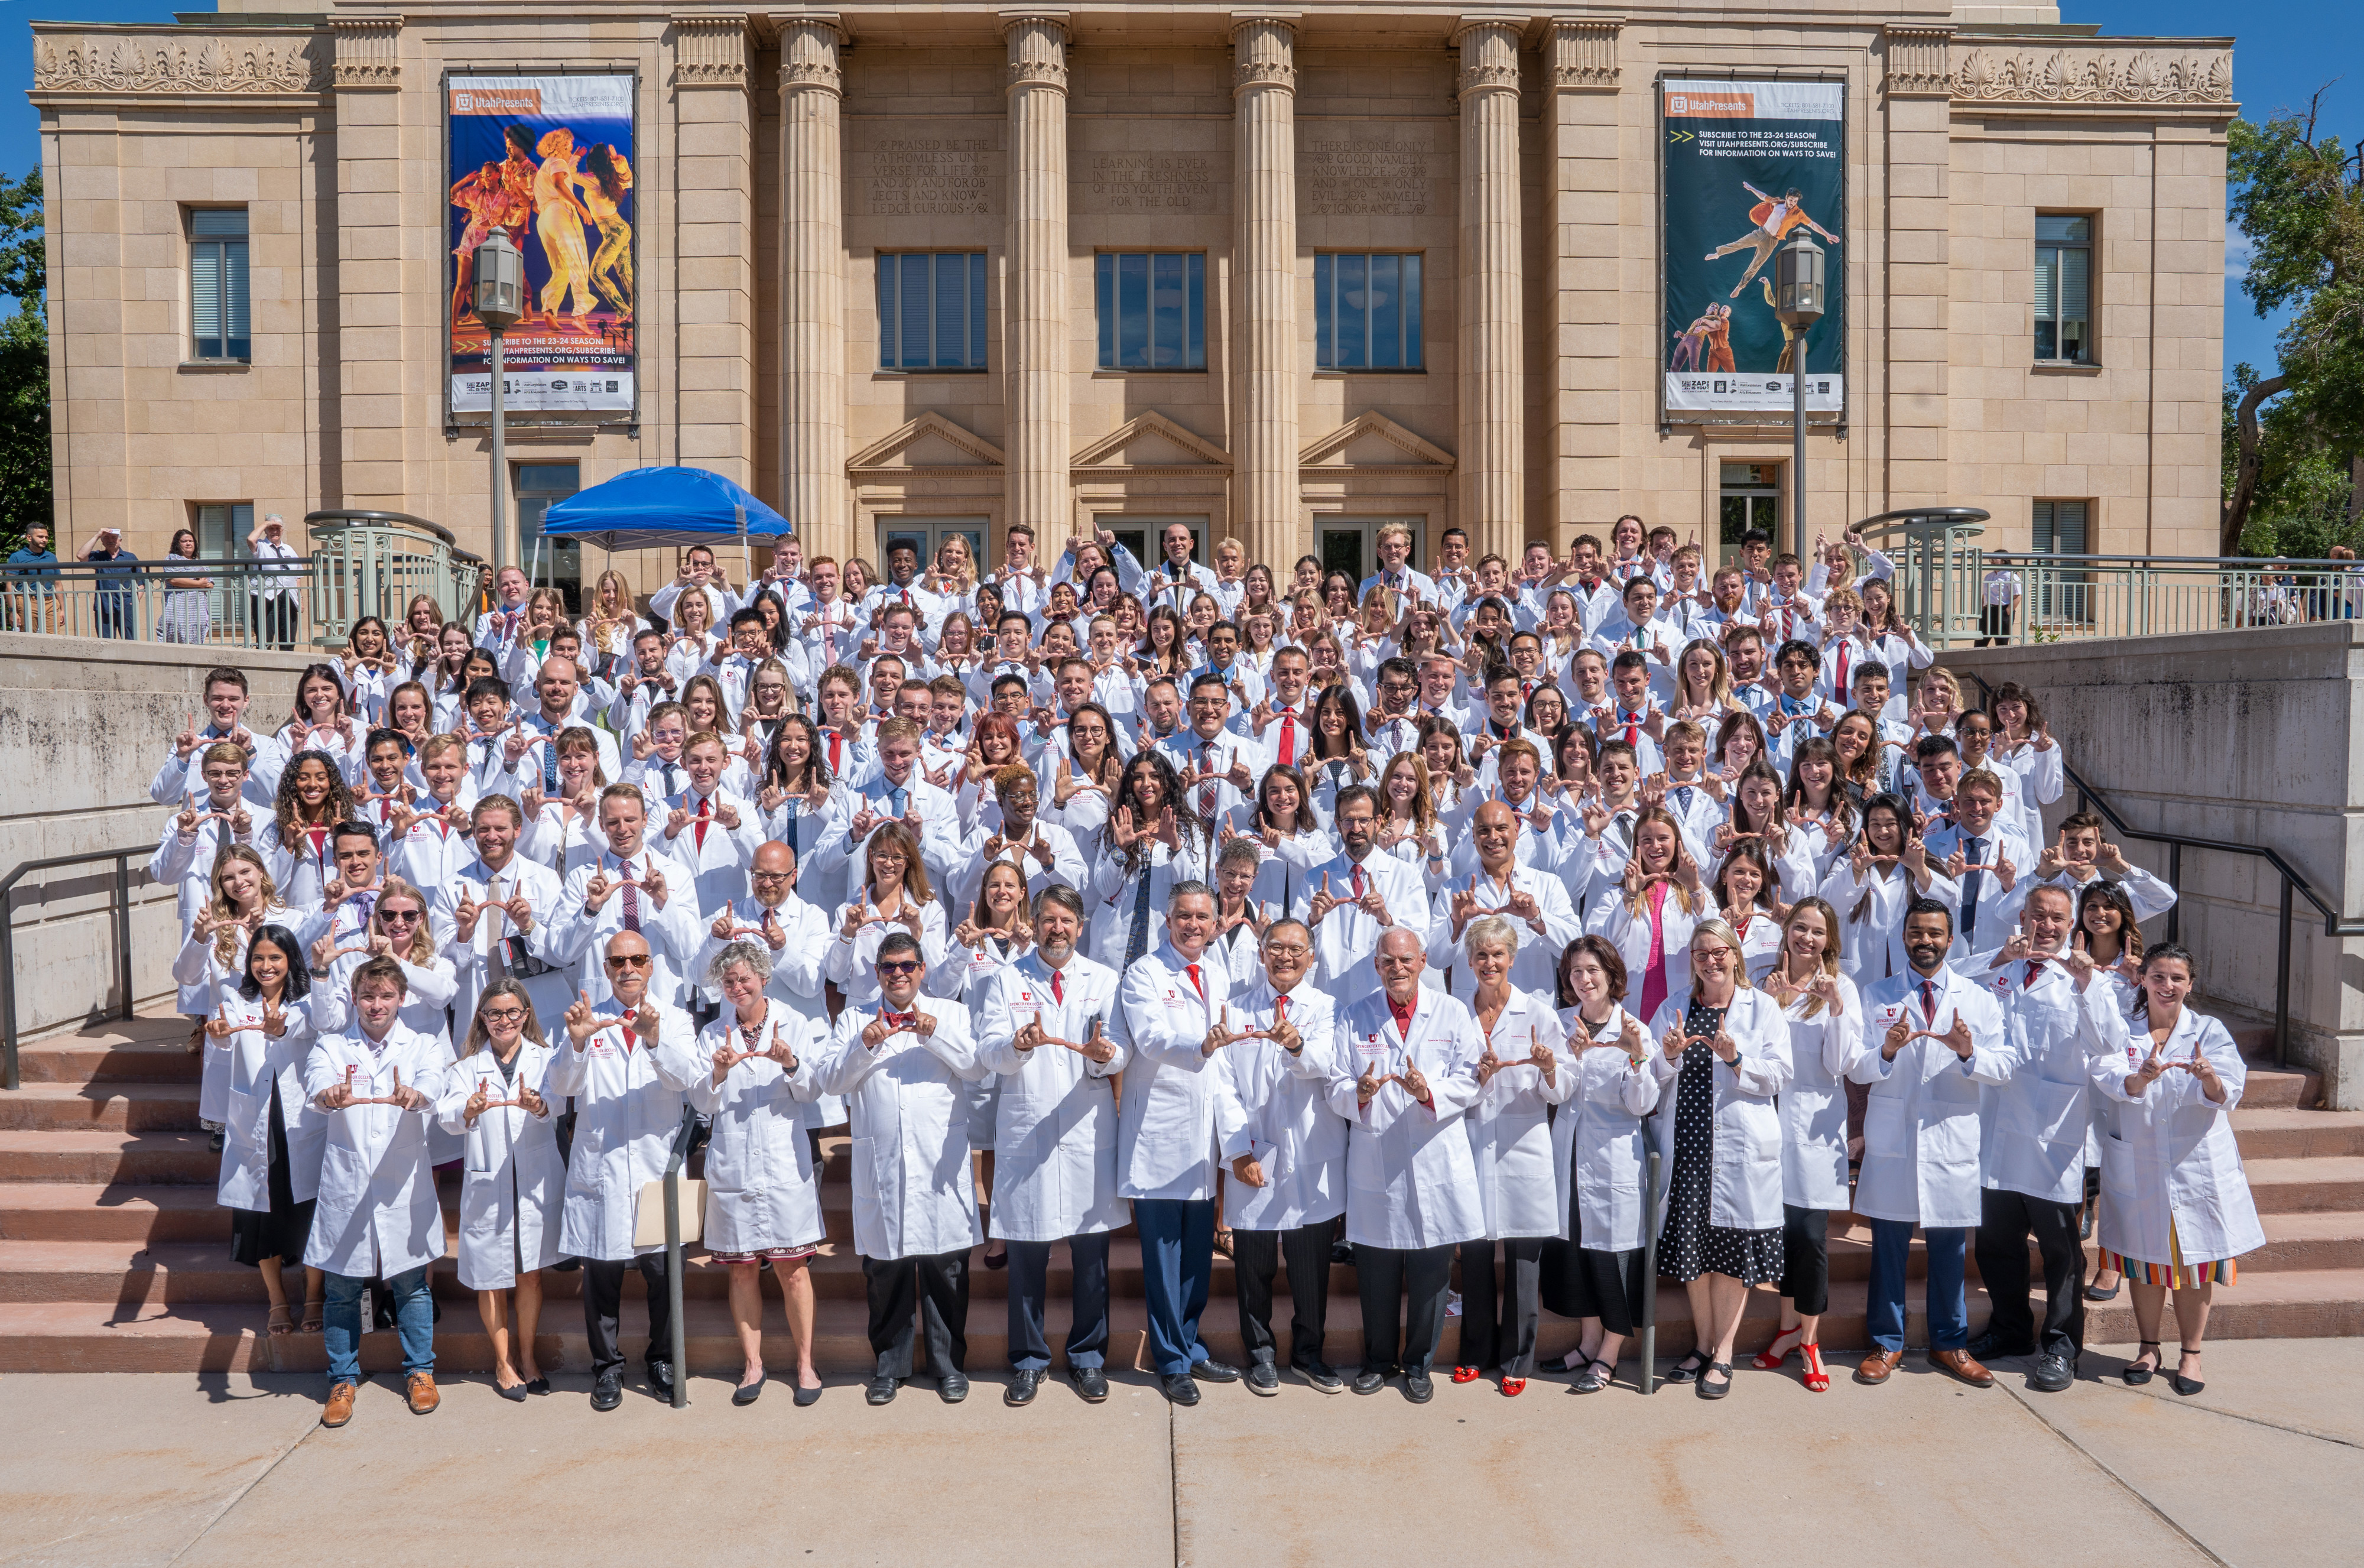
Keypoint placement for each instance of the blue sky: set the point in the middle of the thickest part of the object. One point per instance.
(2293, 48)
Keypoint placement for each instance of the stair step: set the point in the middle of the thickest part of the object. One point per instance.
(102, 1105)
(2292, 1134)
(72, 1211)
(94, 1059)
(143, 1158)
(2281, 1088)
(2293, 1186)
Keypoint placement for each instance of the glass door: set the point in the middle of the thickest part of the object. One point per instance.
(1352, 544)
(1751, 499)
(549, 562)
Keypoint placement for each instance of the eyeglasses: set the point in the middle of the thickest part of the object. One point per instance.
(899, 966)
(630, 960)
(502, 1014)
(1715, 955)
(773, 876)
(1293, 949)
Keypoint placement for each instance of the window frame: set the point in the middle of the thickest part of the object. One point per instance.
(889, 300)
(1411, 334)
(1107, 290)
(2050, 251)
(235, 301)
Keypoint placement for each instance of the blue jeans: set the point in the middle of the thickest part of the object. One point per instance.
(1948, 1308)
(341, 1324)
(1177, 1264)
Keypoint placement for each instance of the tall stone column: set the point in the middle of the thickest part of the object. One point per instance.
(812, 290)
(1264, 197)
(1034, 326)
(1583, 181)
(1919, 275)
(1492, 390)
(714, 308)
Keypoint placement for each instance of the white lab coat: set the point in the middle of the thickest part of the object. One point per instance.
(579, 936)
(377, 1213)
(1277, 1106)
(1165, 1125)
(914, 1195)
(1814, 1106)
(762, 1190)
(1411, 1182)
(965, 977)
(797, 979)
(1534, 967)
(1745, 1191)
(626, 1116)
(1872, 947)
(1599, 1141)
(515, 1178)
(1509, 1125)
(716, 870)
(2034, 1129)
(1113, 896)
(1348, 936)
(1628, 931)
(204, 981)
(551, 991)
(257, 1064)
(1921, 1126)
(2172, 1160)
(1054, 1134)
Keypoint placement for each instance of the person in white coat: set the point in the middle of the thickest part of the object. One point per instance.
(1352, 901)
(509, 1194)
(1042, 1030)
(1649, 912)
(1286, 1152)
(1404, 1074)
(241, 900)
(1886, 868)
(2176, 1208)
(376, 1217)
(1938, 1039)
(1825, 1018)
(1598, 1157)
(903, 1071)
(271, 1167)
(712, 832)
(498, 911)
(1723, 1057)
(1536, 901)
(1172, 1012)
(796, 937)
(626, 1113)
(757, 1066)
(629, 887)
(1522, 1072)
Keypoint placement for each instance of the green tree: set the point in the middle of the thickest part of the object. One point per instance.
(24, 458)
(2298, 195)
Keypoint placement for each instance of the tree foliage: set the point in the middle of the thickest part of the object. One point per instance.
(25, 457)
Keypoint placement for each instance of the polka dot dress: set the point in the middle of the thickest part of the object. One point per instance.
(1689, 1245)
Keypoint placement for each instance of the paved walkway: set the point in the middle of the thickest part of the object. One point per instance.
(2261, 1471)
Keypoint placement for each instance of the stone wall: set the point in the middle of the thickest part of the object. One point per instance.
(2242, 737)
(83, 726)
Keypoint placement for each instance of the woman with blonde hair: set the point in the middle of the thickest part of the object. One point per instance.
(398, 928)
(609, 623)
(1725, 1055)
(516, 1178)
(241, 898)
(894, 895)
(1649, 911)
(695, 642)
(1702, 683)
(1407, 826)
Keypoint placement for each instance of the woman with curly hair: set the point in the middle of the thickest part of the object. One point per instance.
(1147, 846)
(312, 799)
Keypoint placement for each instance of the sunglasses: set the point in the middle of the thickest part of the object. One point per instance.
(632, 960)
(900, 966)
(405, 916)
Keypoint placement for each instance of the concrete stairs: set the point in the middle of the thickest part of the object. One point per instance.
(114, 1255)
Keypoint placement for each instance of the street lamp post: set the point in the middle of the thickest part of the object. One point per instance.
(1797, 294)
(500, 303)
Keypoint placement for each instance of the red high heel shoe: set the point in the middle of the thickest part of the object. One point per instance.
(1817, 1380)
(1770, 1357)
(1465, 1374)
(1514, 1386)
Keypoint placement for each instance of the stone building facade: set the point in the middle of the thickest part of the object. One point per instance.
(785, 156)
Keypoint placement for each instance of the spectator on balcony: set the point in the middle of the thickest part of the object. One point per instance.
(272, 600)
(188, 610)
(117, 570)
(1999, 595)
(32, 575)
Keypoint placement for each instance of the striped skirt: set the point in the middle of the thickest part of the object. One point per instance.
(2178, 1274)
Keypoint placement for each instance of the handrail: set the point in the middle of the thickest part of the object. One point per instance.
(673, 1254)
(120, 905)
(344, 514)
(2293, 882)
(1649, 1374)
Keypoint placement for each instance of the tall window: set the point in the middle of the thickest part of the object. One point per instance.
(556, 562)
(218, 298)
(2064, 593)
(1366, 312)
(222, 527)
(931, 311)
(1152, 309)
(2063, 287)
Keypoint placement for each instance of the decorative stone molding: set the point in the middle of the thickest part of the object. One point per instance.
(1264, 49)
(710, 52)
(809, 54)
(1490, 55)
(177, 62)
(1193, 453)
(1328, 453)
(1038, 49)
(890, 455)
(2096, 73)
(369, 53)
(1916, 61)
(1584, 53)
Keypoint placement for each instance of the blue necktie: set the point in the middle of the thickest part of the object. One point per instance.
(895, 796)
(550, 768)
(1971, 850)
(1137, 943)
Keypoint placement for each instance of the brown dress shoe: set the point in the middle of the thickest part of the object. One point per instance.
(340, 1406)
(422, 1392)
(1877, 1365)
(1962, 1365)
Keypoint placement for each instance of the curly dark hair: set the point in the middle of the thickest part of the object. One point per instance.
(1128, 794)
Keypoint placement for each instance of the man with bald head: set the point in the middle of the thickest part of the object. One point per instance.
(530, 752)
(1405, 1071)
(1534, 901)
(774, 915)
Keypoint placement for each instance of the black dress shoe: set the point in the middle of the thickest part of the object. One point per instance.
(607, 1389)
(748, 1393)
(1178, 1387)
(214, 1145)
(808, 1395)
(1091, 1382)
(1418, 1388)
(1022, 1386)
(661, 1378)
(881, 1390)
(1369, 1381)
(1342, 1253)
(1262, 1379)
(1320, 1375)
(538, 1386)
(953, 1387)
(2052, 1374)
(1213, 1371)
(1986, 1348)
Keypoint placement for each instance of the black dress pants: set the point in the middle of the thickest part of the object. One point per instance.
(1501, 1336)
(603, 1294)
(936, 1287)
(2006, 1220)
(1414, 1280)
(1256, 1256)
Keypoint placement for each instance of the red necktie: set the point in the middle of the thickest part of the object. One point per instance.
(1058, 989)
(1361, 886)
(1929, 1003)
(1633, 723)
(1192, 971)
(705, 811)
(1287, 736)
(631, 900)
(1280, 1009)
(1838, 680)
(630, 1039)
(835, 741)
(2035, 968)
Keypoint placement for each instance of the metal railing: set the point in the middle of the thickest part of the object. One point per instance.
(2294, 883)
(681, 1140)
(374, 563)
(1937, 570)
(119, 905)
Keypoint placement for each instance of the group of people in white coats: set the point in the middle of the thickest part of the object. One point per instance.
(1392, 924)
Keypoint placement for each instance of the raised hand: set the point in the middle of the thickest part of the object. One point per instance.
(477, 1103)
(219, 1026)
(654, 885)
(596, 891)
(1219, 1034)
(580, 1025)
(1415, 1083)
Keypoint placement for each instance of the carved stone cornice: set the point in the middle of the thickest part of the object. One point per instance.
(808, 55)
(1490, 55)
(1584, 53)
(368, 53)
(2099, 73)
(1038, 49)
(1916, 61)
(1264, 53)
(178, 62)
(710, 52)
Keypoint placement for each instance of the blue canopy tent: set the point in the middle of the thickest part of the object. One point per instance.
(642, 508)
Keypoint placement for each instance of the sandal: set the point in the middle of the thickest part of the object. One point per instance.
(1688, 1369)
(1818, 1381)
(279, 1325)
(2135, 1375)
(315, 1316)
(1223, 1241)
(1770, 1357)
(1716, 1390)
(1596, 1376)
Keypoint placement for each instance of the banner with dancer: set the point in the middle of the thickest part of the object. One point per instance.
(548, 161)
(1744, 165)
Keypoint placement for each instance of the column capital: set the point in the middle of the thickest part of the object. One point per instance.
(1264, 48)
(1038, 49)
(1916, 61)
(808, 53)
(709, 50)
(1584, 54)
(368, 53)
(1489, 54)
